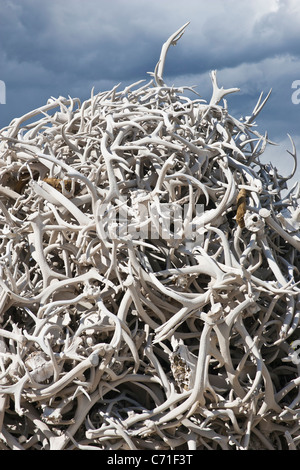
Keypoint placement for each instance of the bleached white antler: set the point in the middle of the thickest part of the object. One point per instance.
(172, 41)
(219, 93)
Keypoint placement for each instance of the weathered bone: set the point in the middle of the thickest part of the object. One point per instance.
(124, 326)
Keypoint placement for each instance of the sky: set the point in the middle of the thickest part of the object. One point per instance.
(65, 48)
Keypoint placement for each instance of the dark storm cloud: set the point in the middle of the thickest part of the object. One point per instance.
(77, 37)
(121, 40)
(52, 48)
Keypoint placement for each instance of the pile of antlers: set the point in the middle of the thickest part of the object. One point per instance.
(149, 276)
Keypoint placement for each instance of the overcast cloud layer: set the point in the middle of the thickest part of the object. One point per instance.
(67, 47)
